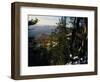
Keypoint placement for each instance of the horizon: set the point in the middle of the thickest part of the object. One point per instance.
(45, 20)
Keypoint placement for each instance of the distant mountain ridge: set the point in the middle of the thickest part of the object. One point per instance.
(35, 30)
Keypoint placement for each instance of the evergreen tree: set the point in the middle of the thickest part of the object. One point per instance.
(69, 44)
(79, 40)
(58, 51)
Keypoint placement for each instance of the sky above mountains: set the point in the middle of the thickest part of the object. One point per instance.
(45, 20)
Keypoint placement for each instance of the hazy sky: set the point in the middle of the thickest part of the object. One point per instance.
(45, 20)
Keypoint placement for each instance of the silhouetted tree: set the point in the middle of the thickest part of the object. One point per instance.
(32, 21)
